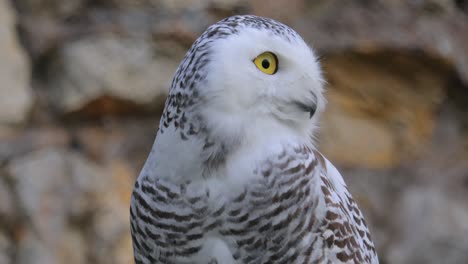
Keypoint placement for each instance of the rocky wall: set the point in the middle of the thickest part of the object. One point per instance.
(82, 85)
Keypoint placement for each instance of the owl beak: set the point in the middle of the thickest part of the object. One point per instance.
(309, 107)
(312, 112)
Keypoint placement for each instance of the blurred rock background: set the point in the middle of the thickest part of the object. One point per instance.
(83, 82)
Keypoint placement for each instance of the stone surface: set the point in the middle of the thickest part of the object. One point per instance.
(15, 93)
(5, 249)
(129, 70)
(52, 184)
(394, 107)
(434, 27)
(6, 199)
(111, 223)
(421, 211)
(69, 202)
(16, 144)
(119, 139)
(56, 8)
(286, 11)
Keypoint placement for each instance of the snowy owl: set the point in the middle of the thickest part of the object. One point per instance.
(233, 175)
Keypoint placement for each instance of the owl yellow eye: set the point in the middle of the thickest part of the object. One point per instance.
(267, 62)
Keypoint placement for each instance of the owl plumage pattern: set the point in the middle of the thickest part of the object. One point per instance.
(233, 175)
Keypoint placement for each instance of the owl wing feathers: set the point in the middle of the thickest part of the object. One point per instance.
(344, 229)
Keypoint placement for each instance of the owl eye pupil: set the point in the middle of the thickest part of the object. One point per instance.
(265, 64)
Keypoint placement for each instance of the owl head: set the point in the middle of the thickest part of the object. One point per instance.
(247, 73)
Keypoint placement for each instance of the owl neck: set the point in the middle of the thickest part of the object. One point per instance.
(211, 152)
